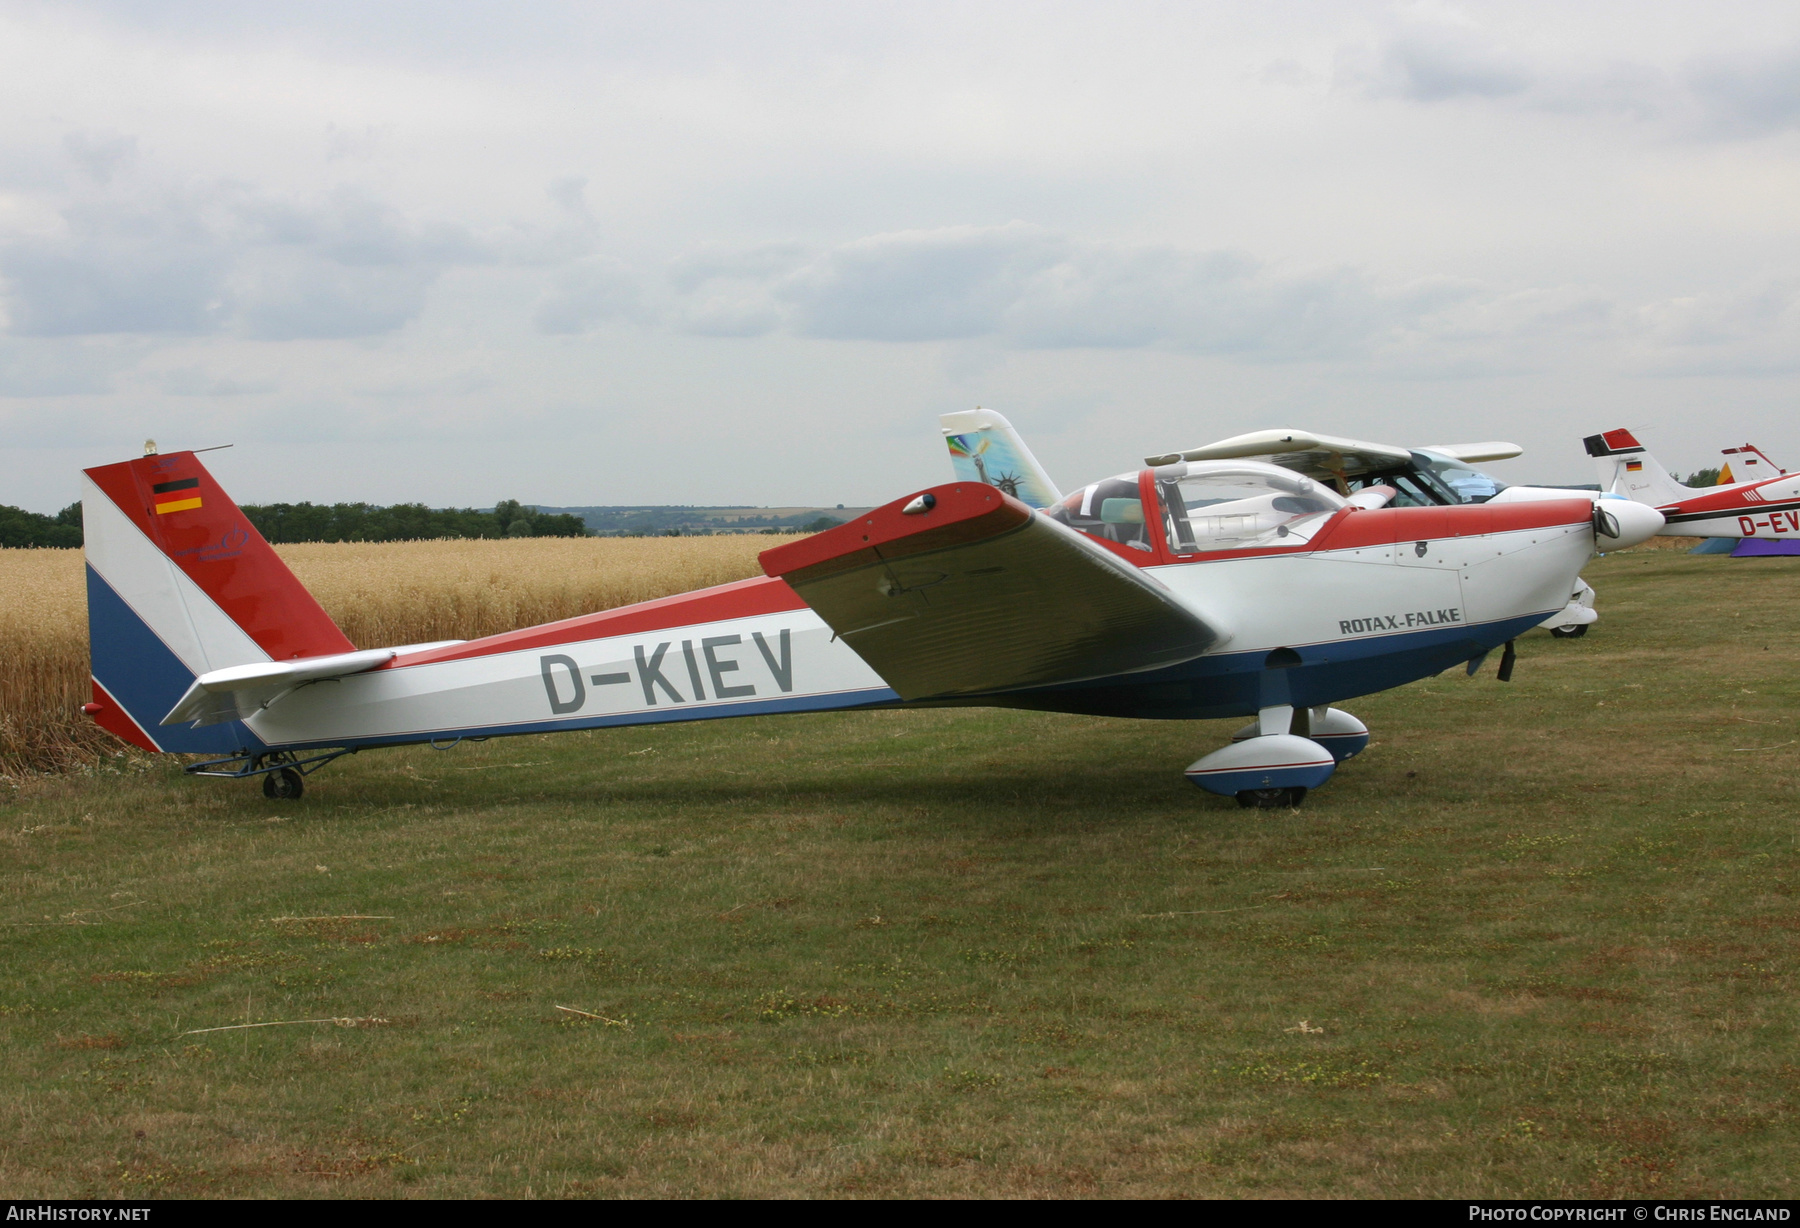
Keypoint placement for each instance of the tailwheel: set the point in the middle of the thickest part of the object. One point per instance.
(1271, 799)
(284, 786)
(1574, 632)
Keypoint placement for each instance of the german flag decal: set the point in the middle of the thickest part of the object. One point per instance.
(174, 496)
(1630, 467)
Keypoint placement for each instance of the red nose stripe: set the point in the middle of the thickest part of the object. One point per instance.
(1385, 526)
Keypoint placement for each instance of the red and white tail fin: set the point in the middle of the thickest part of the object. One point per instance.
(181, 584)
(1628, 470)
(1750, 466)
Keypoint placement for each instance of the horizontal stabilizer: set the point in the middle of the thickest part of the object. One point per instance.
(244, 690)
(1612, 443)
(963, 590)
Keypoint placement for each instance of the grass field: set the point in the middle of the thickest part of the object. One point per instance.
(1539, 940)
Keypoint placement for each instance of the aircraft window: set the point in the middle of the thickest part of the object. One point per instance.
(1237, 505)
(1469, 485)
(1411, 489)
(1111, 510)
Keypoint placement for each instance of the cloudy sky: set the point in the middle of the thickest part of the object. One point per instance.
(721, 253)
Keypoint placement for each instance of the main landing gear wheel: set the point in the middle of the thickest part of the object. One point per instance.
(1570, 633)
(1270, 799)
(283, 786)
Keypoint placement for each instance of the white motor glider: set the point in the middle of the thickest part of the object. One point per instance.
(1207, 588)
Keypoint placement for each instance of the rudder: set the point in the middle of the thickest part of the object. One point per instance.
(1627, 469)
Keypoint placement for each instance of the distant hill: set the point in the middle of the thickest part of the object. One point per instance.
(656, 520)
(339, 522)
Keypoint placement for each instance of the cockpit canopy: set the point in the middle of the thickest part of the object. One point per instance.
(1238, 505)
(1469, 484)
(1112, 510)
(1433, 480)
(1204, 506)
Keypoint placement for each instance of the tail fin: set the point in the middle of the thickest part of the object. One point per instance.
(1627, 469)
(985, 448)
(1752, 466)
(181, 584)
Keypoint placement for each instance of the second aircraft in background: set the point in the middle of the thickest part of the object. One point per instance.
(1765, 504)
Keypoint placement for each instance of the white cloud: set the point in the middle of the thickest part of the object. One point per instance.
(1752, 330)
(932, 285)
(592, 292)
(1201, 302)
(63, 367)
(1435, 61)
(100, 154)
(1437, 58)
(284, 296)
(1027, 288)
(198, 382)
(1749, 94)
(1031, 288)
(785, 229)
(149, 260)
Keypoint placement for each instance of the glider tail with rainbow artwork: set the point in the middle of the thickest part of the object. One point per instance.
(985, 448)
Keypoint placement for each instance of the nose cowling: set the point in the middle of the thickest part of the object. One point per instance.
(1619, 523)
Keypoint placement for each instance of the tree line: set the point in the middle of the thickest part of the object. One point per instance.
(19, 527)
(363, 522)
(321, 522)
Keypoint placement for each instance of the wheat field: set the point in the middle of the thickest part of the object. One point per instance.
(380, 593)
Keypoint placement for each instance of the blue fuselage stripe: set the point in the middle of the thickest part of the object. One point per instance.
(1241, 683)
